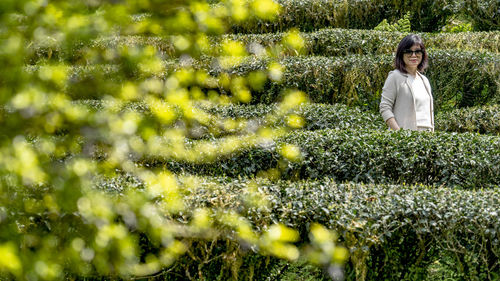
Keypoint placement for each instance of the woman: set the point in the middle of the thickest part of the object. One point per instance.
(406, 96)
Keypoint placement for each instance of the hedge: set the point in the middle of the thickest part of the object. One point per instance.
(484, 120)
(393, 232)
(485, 14)
(463, 160)
(323, 42)
(426, 15)
(457, 78)
(316, 116)
(342, 42)
(314, 14)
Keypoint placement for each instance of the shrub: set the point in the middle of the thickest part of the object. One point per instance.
(314, 14)
(484, 13)
(427, 16)
(483, 120)
(450, 159)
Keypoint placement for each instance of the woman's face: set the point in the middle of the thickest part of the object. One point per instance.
(412, 57)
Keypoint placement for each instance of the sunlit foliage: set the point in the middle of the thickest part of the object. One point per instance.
(54, 221)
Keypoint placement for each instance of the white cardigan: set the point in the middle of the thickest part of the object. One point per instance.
(398, 100)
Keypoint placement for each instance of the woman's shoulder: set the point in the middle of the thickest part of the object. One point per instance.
(396, 74)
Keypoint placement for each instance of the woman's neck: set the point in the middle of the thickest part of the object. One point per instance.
(412, 71)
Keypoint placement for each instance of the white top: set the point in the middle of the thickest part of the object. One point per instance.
(422, 102)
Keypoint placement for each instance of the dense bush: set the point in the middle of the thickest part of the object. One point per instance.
(394, 232)
(340, 42)
(313, 14)
(485, 14)
(483, 120)
(425, 15)
(475, 79)
(465, 160)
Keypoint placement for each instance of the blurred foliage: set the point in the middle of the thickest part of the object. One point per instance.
(54, 222)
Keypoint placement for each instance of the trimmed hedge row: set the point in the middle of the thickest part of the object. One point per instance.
(324, 42)
(316, 116)
(393, 232)
(457, 78)
(426, 15)
(450, 159)
(342, 42)
(484, 120)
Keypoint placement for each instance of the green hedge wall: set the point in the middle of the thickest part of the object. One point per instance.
(323, 42)
(426, 15)
(342, 42)
(394, 232)
(457, 79)
(484, 120)
(450, 159)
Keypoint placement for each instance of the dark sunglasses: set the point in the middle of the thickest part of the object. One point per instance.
(416, 52)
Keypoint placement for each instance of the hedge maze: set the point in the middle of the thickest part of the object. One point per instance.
(407, 205)
(387, 195)
(399, 201)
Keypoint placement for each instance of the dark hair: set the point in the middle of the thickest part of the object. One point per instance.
(405, 44)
